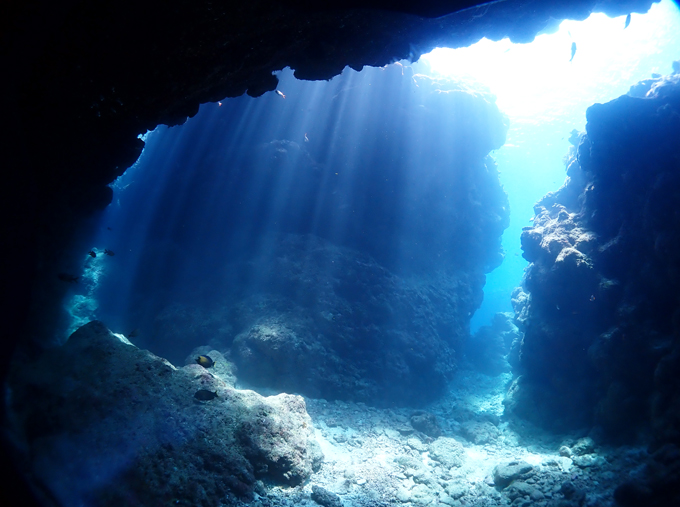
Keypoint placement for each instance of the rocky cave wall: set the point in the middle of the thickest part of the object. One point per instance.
(601, 313)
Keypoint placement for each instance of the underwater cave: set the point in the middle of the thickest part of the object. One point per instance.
(359, 254)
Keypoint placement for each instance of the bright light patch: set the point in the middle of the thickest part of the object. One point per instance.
(545, 96)
(533, 459)
(476, 453)
(536, 82)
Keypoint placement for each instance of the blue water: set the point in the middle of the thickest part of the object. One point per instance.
(176, 203)
(361, 160)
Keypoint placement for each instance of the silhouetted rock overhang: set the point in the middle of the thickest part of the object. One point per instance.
(100, 74)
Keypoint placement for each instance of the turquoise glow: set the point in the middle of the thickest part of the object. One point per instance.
(545, 95)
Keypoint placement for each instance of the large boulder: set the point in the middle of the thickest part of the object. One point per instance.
(102, 422)
(331, 322)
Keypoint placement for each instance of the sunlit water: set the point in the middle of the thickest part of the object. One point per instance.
(545, 96)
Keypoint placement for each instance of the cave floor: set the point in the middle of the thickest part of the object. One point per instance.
(374, 457)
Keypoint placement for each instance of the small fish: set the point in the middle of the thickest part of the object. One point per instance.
(205, 395)
(92, 254)
(109, 229)
(280, 93)
(109, 252)
(573, 50)
(205, 361)
(133, 333)
(65, 277)
(627, 22)
(306, 138)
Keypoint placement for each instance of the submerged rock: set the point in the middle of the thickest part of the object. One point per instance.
(325, 498)
(600, 326)
(104, 423)
(448, 451)
(505, 473)
(330, 322)
(426, 422)
(480, 432)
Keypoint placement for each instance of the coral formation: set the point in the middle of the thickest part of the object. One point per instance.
(600, 314)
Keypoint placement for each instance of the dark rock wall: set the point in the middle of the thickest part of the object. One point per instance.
(602, 319)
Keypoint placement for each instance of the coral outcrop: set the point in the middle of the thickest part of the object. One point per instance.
(101, 422)
(602, 317)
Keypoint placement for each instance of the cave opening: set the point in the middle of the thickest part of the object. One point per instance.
(345, 254)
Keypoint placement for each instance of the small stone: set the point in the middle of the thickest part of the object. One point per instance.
(421, 495)
(259, 488)
(447, 500)
(426, 423)
(324, 497)
(416, 444)
(589, 460)
(537, 495)
(361, 482)
(456, 490)
(504, 474)
(403, 495)
(583, 446)
(448, 452)
(392, 433)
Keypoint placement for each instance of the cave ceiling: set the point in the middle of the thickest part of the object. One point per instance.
(95, 75)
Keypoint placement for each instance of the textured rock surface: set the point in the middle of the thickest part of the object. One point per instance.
(504, 474)
(324, 497)
(448, 452)
(602, 320)
(103, 422)
(426, 423)
(330, 322)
